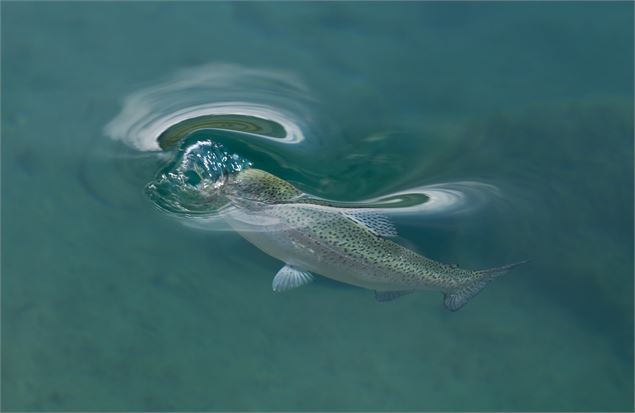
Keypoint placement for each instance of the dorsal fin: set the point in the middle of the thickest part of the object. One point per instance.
(377, 223)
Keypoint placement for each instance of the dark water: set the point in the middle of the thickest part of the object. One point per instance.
(109, 304)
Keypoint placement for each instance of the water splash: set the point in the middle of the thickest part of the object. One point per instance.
(191, 183)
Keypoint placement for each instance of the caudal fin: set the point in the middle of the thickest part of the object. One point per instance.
(457, 299)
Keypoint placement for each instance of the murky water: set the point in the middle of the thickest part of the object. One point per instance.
(488, 132)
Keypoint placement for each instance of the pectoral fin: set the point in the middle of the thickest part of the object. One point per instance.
(382, 296)
(289, 277)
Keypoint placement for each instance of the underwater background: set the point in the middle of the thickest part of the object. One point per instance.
(111, 304)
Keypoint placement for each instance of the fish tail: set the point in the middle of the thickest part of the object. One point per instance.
(455, 300)
(491, 273)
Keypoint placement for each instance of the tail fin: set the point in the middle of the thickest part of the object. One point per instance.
(456, 300)
(491, 273)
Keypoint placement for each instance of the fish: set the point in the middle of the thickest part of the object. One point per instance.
(356, 246)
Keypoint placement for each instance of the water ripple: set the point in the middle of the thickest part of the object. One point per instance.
(217, 93)
(264, 106)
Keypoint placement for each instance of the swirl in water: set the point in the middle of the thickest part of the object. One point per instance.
(266, 104)
(187, 117)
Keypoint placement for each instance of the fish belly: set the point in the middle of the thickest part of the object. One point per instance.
(294, 242)
(297, 250)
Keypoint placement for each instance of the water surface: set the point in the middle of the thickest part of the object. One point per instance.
(522, 111)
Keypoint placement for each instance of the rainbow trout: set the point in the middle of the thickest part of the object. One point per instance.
(311, 236)
(352, 246)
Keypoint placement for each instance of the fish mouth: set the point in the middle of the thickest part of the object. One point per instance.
(193, 181)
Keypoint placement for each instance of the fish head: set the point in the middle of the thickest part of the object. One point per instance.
(260, 186)
(193, 181)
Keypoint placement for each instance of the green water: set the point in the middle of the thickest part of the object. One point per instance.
(110, 304)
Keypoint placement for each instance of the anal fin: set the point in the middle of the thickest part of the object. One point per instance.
(383, 296)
